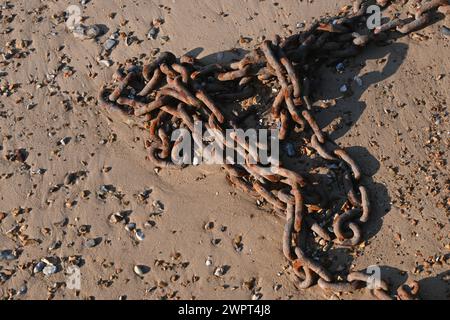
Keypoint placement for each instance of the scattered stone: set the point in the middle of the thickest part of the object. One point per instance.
(72, 177)
(130, 226)
(340, 67)
(64, 141)
(86, 32)
(50, 269)
(158, 207)
(445, 31)
(39, 171)
(152, 34)
(55, 245)
(7, 255)
(107, 188)
(109, 44)
(219, 272)
(30, 105)
(85, 194)
(39, 267)
(116, 217)
(209, 225)
(149, 224)
(106, 62)
(93, 32)
(3, 277)
(237, 243)
(90, 243)
(257, 296)
(140, 235)
(141, 270)
(23, 289)
(343, 88)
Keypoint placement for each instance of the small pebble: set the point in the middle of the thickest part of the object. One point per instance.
(92, 32)
(50, 269)
(141, 270)
(39, 267)
(130, 226)
(209, 226)
(90, 243)
(7, 255)
(140, 235)
(23, 289)
(257, 296)
(115, 217)
(109, 44)
(158, 207)
(30, 105)
(106, 62)
(219, 272)
(79, 31)
(106, 188)
(445, 31)
(55, 245)
(64, 141)
(149, 224)
(152, 34)
(40, 171)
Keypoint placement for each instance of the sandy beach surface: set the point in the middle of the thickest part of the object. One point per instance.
(395, 124)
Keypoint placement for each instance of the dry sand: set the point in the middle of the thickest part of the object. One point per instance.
(396, 126)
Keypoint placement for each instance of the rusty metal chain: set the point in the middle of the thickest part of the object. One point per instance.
(171, 93)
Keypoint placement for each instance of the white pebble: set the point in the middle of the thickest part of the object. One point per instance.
(140, 235)
(50, 269)
(219, 272)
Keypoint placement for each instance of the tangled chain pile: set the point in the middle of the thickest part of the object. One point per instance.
(171, 93)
